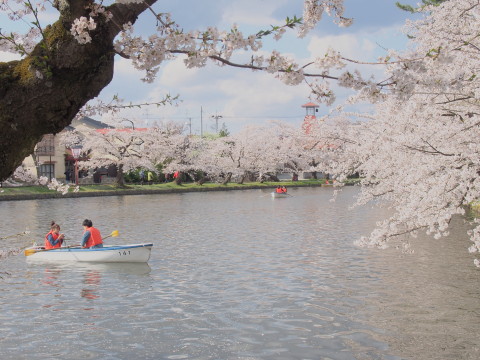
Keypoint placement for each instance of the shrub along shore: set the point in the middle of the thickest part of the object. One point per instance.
(42, 192)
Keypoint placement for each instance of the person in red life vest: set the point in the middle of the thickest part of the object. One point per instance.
(91, 236)
(278, 189)
(54, 239)
(284, 189)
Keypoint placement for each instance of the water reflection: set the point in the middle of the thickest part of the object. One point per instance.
(86, 267)
(51, 277)
(91, 282)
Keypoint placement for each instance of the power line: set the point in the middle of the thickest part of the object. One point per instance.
(263, 117)
(227, 117)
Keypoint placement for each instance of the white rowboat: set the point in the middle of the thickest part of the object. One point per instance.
(279, 195)
(135, 253)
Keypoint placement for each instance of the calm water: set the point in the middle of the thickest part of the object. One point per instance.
(236, 275)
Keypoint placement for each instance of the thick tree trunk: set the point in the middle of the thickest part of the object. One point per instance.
(273, 177)
(227, 179)
(314, 173)
(120, 178)
(43, 92)
(203, 179)
(242, 179)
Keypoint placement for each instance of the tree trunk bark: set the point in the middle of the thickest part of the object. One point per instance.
(227, 179)
(120, 178)
(43, 92)
(274, 178)
(242, 179)
(202, 180)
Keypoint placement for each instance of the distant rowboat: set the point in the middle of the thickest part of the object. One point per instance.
(279, 195)
(134, 253)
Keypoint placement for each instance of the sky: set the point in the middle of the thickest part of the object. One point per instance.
(241, 96)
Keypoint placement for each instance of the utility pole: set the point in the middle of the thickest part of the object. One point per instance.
(201, 122)
(190, 125)
(216, 117)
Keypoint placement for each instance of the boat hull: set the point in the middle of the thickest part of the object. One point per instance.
(279, 195)
(135, 253)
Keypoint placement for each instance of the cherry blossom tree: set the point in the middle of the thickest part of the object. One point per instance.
(424, 3)
(178, 155)
(419, 152)
(124, 148)
(129, 149)
(41, 93)
(298, 152)
(222, 159)
(259, 150)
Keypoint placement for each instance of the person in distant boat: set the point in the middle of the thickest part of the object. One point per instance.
(91, 236)
(278, 190)
(284, 189)
(54, 239)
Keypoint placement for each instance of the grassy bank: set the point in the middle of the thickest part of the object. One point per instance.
(38, 192)
(474, 209)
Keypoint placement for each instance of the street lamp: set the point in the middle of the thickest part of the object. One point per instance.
(76, 152)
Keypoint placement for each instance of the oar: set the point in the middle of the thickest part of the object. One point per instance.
(114, 233)
(19, 234)
(29, 252)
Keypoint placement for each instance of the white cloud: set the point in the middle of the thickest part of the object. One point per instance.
(360, 46)
(175, 73)
(240, 12)
(352, 46)
(49, 16)
(240, 96)
(124, 67)
(256, 93)
(363, 46)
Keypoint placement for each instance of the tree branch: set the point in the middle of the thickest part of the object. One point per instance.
(246, 66)
(125, 13)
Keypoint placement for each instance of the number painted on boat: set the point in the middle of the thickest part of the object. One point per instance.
(124, 252)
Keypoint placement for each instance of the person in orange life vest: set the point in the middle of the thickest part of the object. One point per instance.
(91, 236)
(54, 239)
(284, 189)
(278, 189)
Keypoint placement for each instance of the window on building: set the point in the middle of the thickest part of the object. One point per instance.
(47, 170)
(46, 147)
